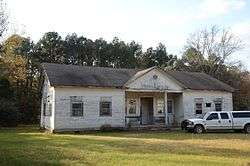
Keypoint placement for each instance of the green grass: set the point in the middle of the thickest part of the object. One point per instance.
(29, 146)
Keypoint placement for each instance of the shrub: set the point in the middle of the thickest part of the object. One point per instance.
(8, 113)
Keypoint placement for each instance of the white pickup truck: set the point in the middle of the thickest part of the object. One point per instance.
(235, 120)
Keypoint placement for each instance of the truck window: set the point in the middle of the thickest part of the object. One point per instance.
(213, 116)
(224, 116)
(241, 114)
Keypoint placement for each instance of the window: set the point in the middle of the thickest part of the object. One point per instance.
(198, 105)
(198, 108)
(218, 106)
(76, 103)
(77, 109)
(132, 106)
(241, 114)
(208, 105)
(106, 106)
(160, 106)
(213, 116)
(170, 106)
(224, 116)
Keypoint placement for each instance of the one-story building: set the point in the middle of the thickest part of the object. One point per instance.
(82, 98)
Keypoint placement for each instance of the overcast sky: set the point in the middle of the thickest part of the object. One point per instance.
(145, 21)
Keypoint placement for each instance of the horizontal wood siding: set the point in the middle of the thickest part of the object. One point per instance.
(91, 116)
(189, 97)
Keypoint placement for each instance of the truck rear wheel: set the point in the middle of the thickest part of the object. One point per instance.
(198, 129)
(247, 129)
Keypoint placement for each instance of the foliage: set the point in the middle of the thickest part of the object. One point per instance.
(5, 89)
(210, 51)
(158, 57)
(8, 113)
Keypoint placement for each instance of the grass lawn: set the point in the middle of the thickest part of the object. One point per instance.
(29, 146)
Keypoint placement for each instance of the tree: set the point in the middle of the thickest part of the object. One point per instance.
(50, 48)
(158, 57)
(208, 50)
(13, 64)
(3, 19)
(103, 58)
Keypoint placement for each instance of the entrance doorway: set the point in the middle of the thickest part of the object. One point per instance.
(147, 110)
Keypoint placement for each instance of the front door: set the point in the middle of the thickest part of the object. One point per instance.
(147, 110)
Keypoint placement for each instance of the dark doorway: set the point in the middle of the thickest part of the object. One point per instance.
(147, 110)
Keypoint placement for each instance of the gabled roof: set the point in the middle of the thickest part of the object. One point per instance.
(139, 74)
(199, 81)
(73, 75)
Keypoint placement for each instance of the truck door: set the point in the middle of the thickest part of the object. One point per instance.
(226, 122)
(213, 121)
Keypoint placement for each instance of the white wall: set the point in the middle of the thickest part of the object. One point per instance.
(178, 107)
(48, 96)
(91, 98)
(208, 97)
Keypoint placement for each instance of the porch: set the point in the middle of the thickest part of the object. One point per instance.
(153, 108)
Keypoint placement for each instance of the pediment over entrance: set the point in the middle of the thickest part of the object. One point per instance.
(153, 79)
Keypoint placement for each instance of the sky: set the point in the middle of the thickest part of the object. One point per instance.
(145, 21)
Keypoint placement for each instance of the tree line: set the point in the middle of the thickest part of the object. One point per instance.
(207, 50)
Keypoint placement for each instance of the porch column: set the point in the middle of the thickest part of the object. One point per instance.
(166, 107)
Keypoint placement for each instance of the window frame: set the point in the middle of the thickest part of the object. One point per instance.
(101, 109)
(198, 101)
(196, 109)
(160, 106)
(129, 106)
(216, 107)
(81, 109)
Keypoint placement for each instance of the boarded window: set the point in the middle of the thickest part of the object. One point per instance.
(76, 106)
(198, 108)
(160, 106)
(218, 106)
(106, 106)
(132, 106)
(198, 105)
